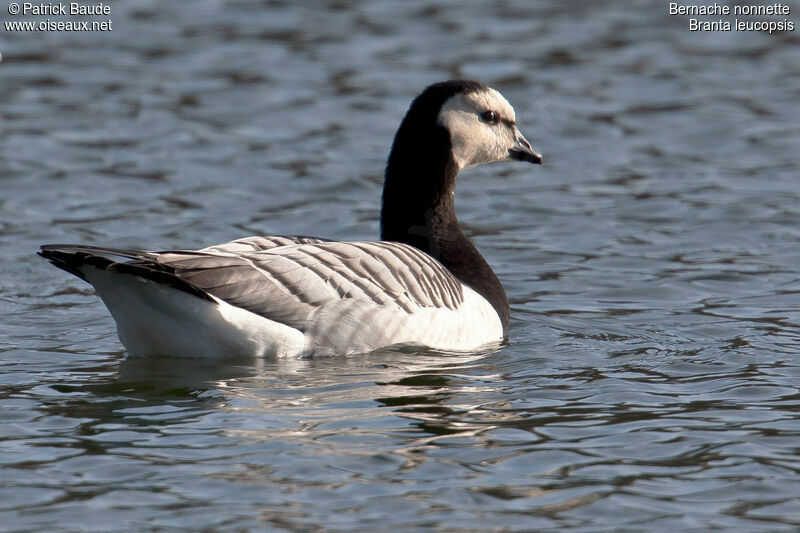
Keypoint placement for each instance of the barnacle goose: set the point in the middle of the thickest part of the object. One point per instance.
(423, 284)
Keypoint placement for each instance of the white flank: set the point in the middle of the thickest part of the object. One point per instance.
(157, 320)
(355, 326)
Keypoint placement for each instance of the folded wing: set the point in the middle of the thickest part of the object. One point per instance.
(288, 281)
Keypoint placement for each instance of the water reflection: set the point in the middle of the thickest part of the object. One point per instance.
(411, 384)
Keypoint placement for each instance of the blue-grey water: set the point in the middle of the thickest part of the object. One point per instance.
(652, 381)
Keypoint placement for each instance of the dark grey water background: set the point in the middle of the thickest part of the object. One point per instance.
(653, 266)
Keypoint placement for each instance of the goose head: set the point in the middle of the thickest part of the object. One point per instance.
(451, 126)
(483, 128)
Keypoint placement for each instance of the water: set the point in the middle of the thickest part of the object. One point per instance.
(653, 266)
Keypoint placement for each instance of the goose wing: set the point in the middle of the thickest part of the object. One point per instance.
(289, 282)
(261, 243)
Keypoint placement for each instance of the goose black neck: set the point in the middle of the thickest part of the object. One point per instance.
(418, 203)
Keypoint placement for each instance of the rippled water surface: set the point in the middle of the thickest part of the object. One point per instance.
(653, 265)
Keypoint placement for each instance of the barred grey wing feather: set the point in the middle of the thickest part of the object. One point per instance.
(261, 243)
(288, 282)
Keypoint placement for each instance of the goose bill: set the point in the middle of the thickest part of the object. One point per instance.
(523, 151)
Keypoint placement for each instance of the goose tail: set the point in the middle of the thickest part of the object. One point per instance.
(77, 259)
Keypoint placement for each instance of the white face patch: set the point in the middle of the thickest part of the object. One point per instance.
(474, 140)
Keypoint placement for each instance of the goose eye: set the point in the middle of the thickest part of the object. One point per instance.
(490, 117)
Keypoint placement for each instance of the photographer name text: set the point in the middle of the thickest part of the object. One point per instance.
(58, 9)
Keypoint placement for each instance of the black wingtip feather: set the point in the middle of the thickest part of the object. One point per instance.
(71, 258)
(98, 250)
(63, 260)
